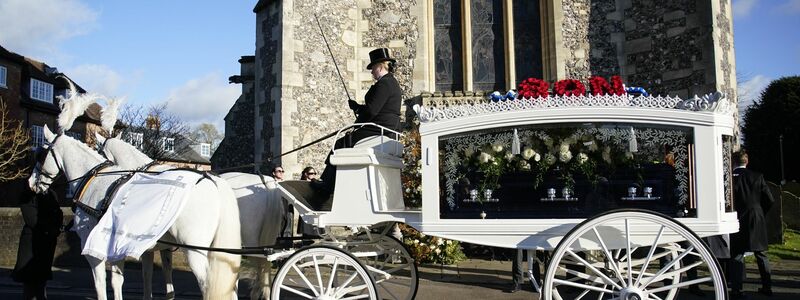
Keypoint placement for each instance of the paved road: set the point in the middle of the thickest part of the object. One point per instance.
(472, 279)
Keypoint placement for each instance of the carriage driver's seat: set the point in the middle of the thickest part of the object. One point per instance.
(370, 171)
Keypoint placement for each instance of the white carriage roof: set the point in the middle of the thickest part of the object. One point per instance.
(716, 103)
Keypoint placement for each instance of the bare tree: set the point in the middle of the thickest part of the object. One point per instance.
(207, 133)
(154, 130)
(13, 146)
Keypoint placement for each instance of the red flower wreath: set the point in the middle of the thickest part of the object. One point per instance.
(570, 87)
(601, 87)
(533, 88)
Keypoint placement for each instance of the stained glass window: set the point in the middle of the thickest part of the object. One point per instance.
(527, 39)
(447, 45)
(488, 59)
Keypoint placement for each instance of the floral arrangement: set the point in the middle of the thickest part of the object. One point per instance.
(569, 87)
(533, 88)
(412, 166)
(601, 87)
(431, 249)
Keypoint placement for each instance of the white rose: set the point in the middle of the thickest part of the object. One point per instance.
(592, 146)
(629, 155)
(524, 165)
(437, 250)
(509, 155)
(563, 147)
(563, 154)
(569, 141)
(439, 242)
(582, 158)
(497, 148)
(416, 242)
(484, 157)
(528, 153)
(537, 157)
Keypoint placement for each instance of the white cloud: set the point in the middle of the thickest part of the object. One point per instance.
(203, 100)
(790, 7)
(36, 28)
(742, 8)
(99, 79)
(750, 91)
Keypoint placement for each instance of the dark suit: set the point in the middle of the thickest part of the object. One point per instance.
(382, 107)
(752, 199)
(37, 243)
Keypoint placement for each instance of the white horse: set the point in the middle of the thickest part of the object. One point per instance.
(261, 208)
(210, 217)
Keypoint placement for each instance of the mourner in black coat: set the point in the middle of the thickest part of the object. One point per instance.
(752, 200)
(382, 107)
(37, 243)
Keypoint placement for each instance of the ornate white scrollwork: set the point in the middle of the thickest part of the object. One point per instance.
(715, 102)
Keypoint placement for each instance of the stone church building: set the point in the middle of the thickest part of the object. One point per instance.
(456, 50)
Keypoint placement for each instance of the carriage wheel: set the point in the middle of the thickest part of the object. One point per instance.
(391, 266)
(322, 272)
(637, 255)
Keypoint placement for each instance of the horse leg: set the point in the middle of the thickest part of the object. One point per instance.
(261, 282)
(198, 262)
(147, 275)
(99, 273)
(117, 278)
(166, 269)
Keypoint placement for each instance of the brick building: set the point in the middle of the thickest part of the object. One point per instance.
(29, 88)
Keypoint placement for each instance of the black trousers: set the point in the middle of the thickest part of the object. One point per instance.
(737, 270)
(518, 272)
(328, 176)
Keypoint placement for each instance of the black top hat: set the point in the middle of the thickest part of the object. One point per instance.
(379, 55)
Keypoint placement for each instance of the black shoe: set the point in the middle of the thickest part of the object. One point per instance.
(766, 292)
(695, 290)
(514, 288)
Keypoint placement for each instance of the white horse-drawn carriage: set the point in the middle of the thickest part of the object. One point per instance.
(620, 189)
(626, 227)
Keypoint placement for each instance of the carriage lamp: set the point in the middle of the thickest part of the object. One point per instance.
(648, 191)
(632, 191)
(487, 195)
(551, 193)
(566, 192)
(473, 195)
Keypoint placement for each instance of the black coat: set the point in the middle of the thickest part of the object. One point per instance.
(752, 200)
(37, 241)
(382, 105)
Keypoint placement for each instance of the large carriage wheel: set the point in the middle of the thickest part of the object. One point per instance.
(323, 272)
(630, 255)
(390, 264)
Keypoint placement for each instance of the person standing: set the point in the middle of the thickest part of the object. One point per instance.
(37, 243)
(752, 200)
(382, 107)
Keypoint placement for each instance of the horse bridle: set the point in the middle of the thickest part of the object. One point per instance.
(39, 164)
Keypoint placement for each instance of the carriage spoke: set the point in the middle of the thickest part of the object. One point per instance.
(305, 279)
(299, 293)
(356, 297)
(595, 270)
(388, 291)
(319, 275)
(650, 254)
(582, 286)
(680, 284)
(333, 272)
(669, 265)
(611, 260)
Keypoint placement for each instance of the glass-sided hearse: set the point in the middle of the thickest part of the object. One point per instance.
(619, 189)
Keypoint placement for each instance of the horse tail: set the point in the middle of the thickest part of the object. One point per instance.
(224, 267)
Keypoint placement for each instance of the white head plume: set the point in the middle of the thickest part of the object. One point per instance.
(73, 106)
(109, 116)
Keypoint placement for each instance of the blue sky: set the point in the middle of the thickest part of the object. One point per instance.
(182, 51)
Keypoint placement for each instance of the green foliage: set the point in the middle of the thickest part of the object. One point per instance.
(776, 113)
(431, 249)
